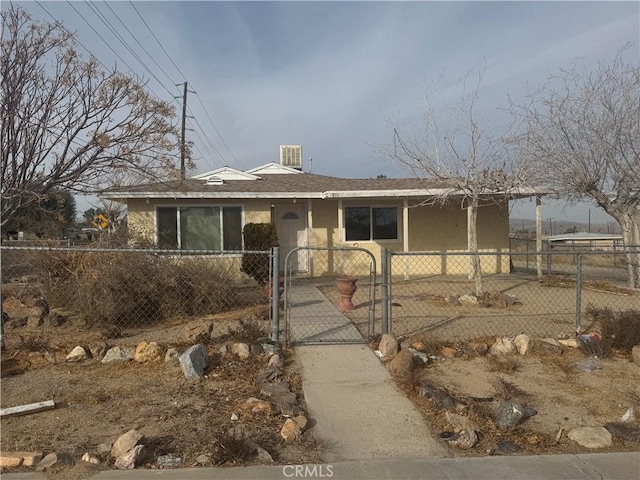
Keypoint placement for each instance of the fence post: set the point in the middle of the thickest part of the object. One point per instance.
(548, 257)
(579, 294)
(384, 300)
(275, 297)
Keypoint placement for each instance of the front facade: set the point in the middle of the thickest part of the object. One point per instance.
(208, 212)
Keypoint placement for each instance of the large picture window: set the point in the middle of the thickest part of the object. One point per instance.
(370, 223)
(200, 228)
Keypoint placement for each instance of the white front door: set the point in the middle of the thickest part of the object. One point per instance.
(291, 223)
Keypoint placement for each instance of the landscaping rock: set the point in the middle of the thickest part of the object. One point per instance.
(276, 361)
(203, 459)
(168, 461)
(388, 345)
(301, 420)
(464, 439)
(548, 347)
(78, 354)
(522, 343)
(506, 447)
(419, 346)
(460, 422)
(57, 459)
(223, 350)
(591, 437)
(104, 448)
(420, 359)
(290, 430)
(635, 355)
(569, 342)
(131, 459)
(629, 432)
(476, 348)
(402, 364)
(256, 349)
(269, 374)
(200, 333)
(505, 300)
(118, 354)
(16, 459)
(193, 362)
(271, 389)
(629, 415)
(241, 350)
(88, 458)
(468, 300)
(289, 409)
(147, 352)
(285, 398)
(270, 348)
(264, 456)
(126, 442)
(172, 355)
(509, 414)
(503, 346)
(256, 405)
(449, 352)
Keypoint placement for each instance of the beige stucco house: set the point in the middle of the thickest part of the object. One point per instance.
(209, 210)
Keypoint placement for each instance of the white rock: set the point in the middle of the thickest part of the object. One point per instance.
(87, 457)
(234, 416)
(522, 343)
(241, 349)
(503, 346)
(591, 437)
(388, 345)
(78, 354)
(126, 442)
(468, 300)
(629, 415)
(568, 342)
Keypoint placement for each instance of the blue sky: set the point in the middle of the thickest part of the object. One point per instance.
(326, 74)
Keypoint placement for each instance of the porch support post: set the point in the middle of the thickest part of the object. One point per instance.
(405, 236)
(539, 237)
(310, 234)
(341, 237)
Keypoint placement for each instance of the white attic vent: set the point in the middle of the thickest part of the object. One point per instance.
(214, 180)
(291, 156)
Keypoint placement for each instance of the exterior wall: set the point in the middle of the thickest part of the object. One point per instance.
(431, 228)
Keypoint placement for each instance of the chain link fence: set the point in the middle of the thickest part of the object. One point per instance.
(430, 292)
(125, 288)
(329, 295)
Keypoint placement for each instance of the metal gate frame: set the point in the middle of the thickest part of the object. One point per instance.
(287, 289)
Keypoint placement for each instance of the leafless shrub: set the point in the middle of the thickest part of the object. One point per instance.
(503, 364)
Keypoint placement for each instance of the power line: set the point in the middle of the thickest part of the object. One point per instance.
(217, 132)
(184, 77)
(158, 41)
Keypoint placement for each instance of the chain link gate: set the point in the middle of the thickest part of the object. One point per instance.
(315, 312)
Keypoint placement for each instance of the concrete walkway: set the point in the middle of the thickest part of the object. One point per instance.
(357, 409)
(314, 319)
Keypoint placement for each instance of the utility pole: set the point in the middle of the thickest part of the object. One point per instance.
(184, 128)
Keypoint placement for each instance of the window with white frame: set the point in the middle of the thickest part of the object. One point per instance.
(199, 228)
(370, 223)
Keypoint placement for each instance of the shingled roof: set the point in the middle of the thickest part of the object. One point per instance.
(226, 183)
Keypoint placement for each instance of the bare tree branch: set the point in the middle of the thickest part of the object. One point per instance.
(69, 124)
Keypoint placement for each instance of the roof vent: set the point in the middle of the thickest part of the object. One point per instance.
(291, 156)
(214, 180)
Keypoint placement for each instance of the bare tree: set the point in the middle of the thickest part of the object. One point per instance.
(582, 132)
(68, 123)
(460, 150)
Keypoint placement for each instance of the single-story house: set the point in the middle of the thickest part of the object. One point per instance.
(208, 212)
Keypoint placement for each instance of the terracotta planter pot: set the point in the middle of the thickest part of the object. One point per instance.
(346, 288)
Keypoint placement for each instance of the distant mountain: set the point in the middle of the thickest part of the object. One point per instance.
(557, 227)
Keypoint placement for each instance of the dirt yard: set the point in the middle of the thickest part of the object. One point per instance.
(96, 403)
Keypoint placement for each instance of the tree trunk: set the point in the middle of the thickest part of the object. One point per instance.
(475, 270)
(630, 224)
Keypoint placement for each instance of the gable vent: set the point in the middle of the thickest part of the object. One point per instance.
(291, 156)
